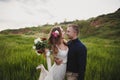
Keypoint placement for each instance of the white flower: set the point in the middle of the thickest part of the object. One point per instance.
(37, 40)
(57, 32)
(34, 47)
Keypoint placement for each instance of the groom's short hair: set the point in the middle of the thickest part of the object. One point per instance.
(75, 27)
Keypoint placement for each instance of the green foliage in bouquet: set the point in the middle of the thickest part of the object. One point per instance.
(41, 44)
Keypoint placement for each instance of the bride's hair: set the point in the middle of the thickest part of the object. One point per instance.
(55, 37)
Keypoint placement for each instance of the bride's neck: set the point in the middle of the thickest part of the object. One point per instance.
(61, 42)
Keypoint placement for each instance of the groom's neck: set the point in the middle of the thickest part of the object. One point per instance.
(74, 38)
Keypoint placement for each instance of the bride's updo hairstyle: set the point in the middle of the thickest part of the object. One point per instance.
(55, 38)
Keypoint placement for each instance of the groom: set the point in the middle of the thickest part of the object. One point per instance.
(77, 54)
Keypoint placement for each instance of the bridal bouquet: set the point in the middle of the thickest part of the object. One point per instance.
(40, 44)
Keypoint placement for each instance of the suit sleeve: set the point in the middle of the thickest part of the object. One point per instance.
(82, 54)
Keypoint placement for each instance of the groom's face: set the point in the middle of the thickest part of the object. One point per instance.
(70, 33)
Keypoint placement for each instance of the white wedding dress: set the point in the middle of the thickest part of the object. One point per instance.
(55, 72)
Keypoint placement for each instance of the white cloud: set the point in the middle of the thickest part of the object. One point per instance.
(21, 13)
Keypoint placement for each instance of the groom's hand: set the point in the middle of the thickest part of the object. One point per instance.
(58, 61)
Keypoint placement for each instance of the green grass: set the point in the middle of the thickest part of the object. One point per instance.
(18, 61)
(103, 59)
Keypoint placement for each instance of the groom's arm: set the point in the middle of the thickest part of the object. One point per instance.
(58, 61)
(82, 54)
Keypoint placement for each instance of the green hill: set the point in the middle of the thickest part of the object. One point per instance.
(105, 26)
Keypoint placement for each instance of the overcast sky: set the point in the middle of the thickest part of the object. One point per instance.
(21, 13)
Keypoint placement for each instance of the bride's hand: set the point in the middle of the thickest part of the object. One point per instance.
(47, 52)
(58, 61)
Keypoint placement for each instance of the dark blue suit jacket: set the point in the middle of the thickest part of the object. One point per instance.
(77, 58)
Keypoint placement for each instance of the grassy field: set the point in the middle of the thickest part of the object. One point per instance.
(18, 61)
(103, 59)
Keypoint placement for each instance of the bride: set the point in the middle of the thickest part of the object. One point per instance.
(59, 51)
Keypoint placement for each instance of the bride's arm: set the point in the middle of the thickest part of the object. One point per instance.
(47, 51)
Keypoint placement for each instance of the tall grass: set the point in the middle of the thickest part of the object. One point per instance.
(18, 61)
(103, 59)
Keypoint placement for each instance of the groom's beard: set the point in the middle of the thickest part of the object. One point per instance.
(70, 37)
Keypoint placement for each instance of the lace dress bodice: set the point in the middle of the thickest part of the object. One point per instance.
(62, 54)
